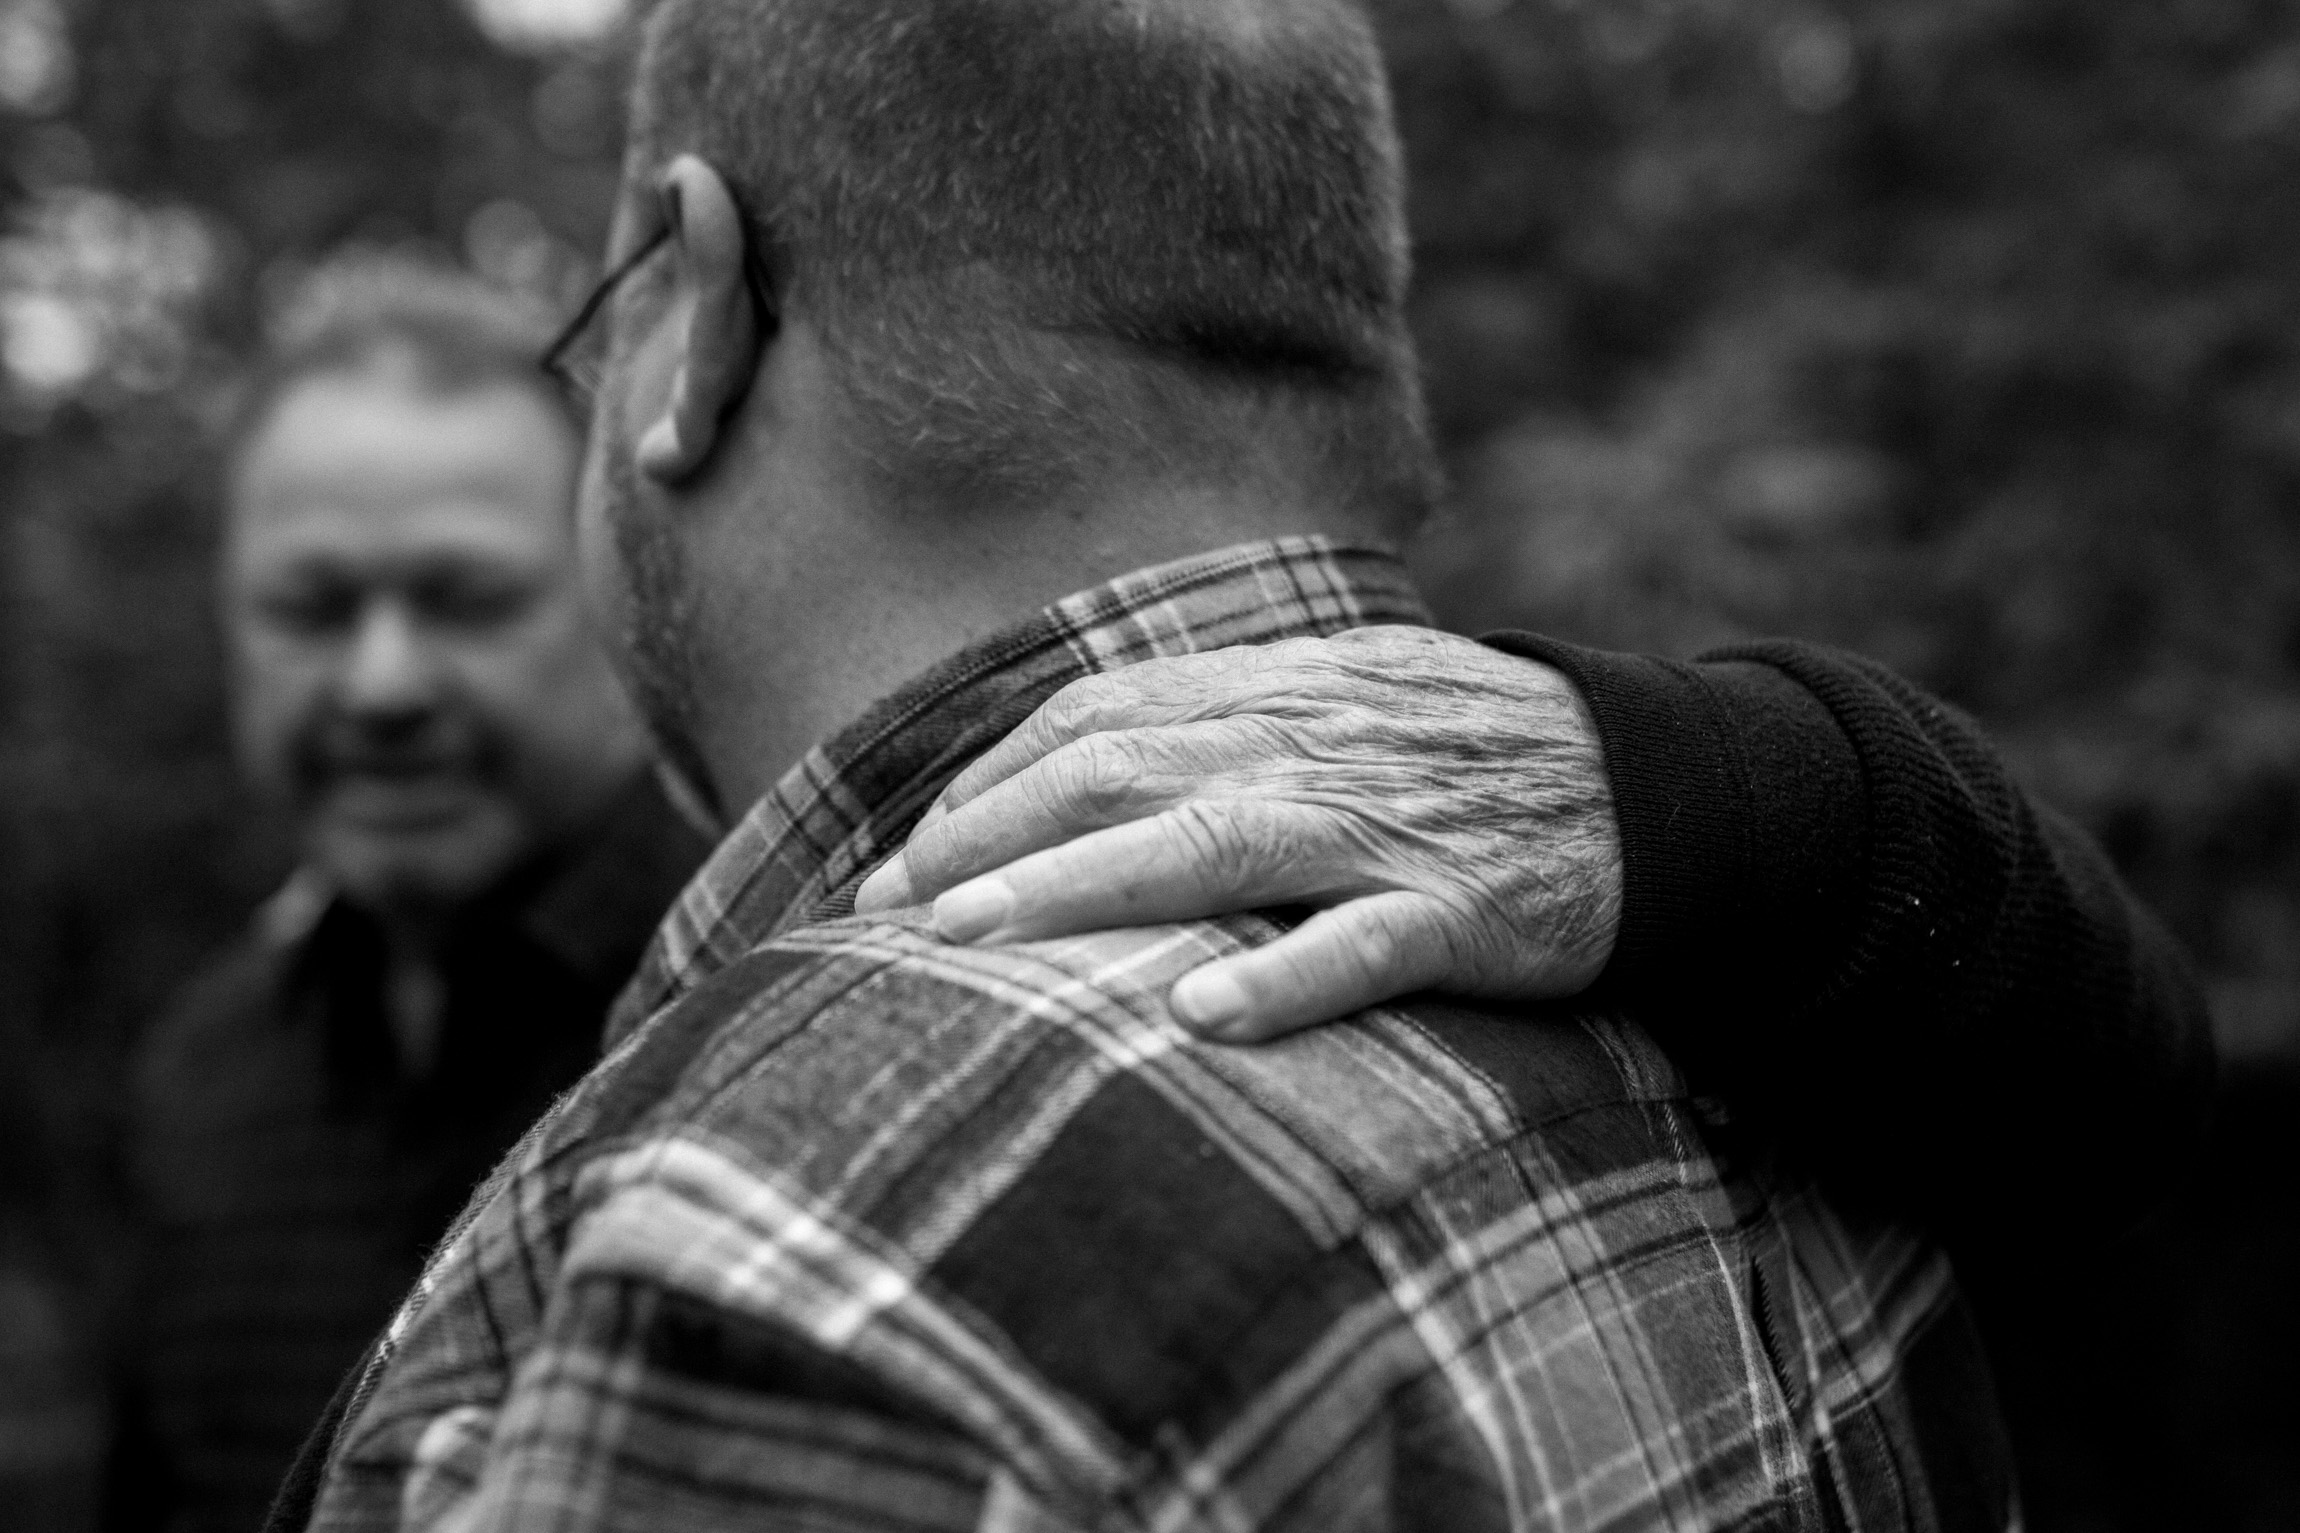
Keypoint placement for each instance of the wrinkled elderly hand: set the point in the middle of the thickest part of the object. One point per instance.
(1444, 806)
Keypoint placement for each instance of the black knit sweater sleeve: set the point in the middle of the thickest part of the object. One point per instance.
(1841, 914)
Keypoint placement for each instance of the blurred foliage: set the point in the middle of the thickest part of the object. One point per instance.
(1965, 333)
(1956, 331)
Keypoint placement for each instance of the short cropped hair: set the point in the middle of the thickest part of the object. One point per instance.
(456, 331)
(1043, 238)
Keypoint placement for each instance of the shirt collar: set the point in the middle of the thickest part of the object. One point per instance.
(591, 908)
(801, 851)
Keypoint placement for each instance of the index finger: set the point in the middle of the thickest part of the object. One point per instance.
(1170, 690)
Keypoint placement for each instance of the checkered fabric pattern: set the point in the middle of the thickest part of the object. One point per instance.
(857, 1230)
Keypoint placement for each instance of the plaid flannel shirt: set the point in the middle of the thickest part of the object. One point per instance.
(856, 1230)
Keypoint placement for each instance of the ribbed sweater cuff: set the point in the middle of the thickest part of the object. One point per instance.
(1743, 827)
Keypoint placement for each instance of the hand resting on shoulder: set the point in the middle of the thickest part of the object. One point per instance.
(1443, 806)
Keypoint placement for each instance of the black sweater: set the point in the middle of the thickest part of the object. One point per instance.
(1841, 914)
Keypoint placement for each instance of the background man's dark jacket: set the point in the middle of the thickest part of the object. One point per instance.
(292, 1175)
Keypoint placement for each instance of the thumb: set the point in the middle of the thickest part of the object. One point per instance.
(1339, 961)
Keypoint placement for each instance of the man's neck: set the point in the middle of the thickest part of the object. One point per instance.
(835, 632)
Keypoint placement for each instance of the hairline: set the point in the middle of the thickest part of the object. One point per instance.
(374, 356)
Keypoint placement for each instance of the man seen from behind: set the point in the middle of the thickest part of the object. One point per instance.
(958, 351)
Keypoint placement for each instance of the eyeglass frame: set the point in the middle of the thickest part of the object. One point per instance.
(582, 393)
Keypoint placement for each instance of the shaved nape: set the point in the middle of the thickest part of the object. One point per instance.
(1045, 240)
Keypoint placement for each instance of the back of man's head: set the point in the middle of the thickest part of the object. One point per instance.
(1049, 242)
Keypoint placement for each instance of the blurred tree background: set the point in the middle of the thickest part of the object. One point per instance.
(1965, 333)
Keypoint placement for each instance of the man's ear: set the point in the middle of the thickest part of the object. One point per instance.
(719, 355)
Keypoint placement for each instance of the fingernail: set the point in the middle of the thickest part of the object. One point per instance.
(887, 889)
(1208, 999)
(659, 448)
(973, 910)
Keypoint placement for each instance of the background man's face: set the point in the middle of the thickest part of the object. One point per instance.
(414, 673)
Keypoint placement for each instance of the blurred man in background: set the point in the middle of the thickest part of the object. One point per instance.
(483, 854)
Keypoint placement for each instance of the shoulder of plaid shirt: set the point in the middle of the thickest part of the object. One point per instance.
(856, 1230)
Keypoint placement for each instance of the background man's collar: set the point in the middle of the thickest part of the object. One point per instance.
(590, 907)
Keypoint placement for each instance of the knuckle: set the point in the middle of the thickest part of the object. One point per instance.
(1329, 972)
(1092, 779)
(1305, 967)
(966, 842)
(1460, 942)
(1264, 739)
(978, 778)
(1210, 838)
(930, 853)
(1295, 651)
(1379, 945)
(1476, 948)
(1354, 844)
(1298, 662)
(1072, 711)
(1109, 702)
(1404, 946)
